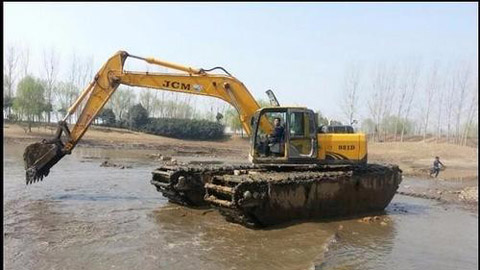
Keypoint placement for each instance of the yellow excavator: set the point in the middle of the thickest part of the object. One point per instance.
(302, 153)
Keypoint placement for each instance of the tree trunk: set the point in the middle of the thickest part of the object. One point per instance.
(403, 132)
(29, 125)
(395, 130)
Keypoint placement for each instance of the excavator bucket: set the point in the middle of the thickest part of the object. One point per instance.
(40, 157)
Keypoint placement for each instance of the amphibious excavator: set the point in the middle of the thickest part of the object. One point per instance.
(309, 172)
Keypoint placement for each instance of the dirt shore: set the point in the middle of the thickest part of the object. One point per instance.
(457, 183)
(415, 158)
(114, 138)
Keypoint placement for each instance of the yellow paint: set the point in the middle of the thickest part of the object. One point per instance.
(198, 82)
(111, 75)
(341, 144)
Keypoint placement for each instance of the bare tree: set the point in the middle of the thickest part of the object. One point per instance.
(450, 101)
(188, 109)
(121, 100)
(9, 76)
(153, 108)
(439, 94)
(50, 70)
(379, 104)
(147, 99)
(389, 89)
(463, 77)
(160, 104)
(429, 92)
(375, 101)
(85, 69)
(402, 92)
(73, 71)
(25, 60)
(66, 94)
(351, 85)
(472, 112)
(412, 85)
(79, 75)
(157, 105)
(73, 80)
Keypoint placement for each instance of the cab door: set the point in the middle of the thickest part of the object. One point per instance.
(302, 136)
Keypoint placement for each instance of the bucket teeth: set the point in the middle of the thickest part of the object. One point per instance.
(33, 176)
(39, 158)
(37, 177)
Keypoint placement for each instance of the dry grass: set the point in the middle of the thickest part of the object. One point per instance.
(112, 135)
(415, 158)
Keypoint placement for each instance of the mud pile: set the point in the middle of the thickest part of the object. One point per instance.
(107, 163)
(469, 195)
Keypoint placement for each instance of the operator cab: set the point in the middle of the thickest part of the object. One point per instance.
(284, 135)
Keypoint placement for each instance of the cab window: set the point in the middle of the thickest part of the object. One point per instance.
(297, 124)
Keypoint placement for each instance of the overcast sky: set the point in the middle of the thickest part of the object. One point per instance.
(300, 50)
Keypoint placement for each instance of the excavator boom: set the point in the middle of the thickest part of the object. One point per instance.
(40, 157)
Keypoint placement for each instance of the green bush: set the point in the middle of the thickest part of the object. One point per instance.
(107, 116)
(184, 128)
(137, 116)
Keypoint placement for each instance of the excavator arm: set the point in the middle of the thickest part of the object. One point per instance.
(40, 157)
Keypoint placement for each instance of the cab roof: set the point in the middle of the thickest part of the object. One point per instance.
(284, 107)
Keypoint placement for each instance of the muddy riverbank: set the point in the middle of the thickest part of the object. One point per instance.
(112, 138)
(415, 158)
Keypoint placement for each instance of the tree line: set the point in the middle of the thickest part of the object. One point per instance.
(137, 118)
(434, 100)
(46, 98)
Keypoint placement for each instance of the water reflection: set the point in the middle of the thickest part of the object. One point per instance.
(205, 234)
(361, 244)
(93, 197)
(423, 235)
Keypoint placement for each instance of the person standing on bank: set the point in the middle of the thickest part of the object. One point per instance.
(436, 167)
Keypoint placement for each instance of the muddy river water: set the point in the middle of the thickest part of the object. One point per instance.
(83, 216)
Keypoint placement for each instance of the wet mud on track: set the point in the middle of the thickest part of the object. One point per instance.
(84, 216)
